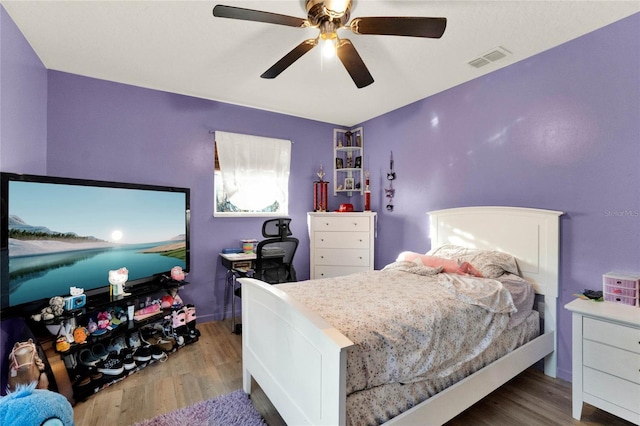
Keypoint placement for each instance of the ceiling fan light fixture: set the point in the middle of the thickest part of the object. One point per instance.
(329, 16)
(328, 39)
(328, 46)
(338, 10)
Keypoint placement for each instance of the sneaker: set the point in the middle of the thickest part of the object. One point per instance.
(127, 359)
(142, 354)
(164, 343)
(100, 352)
(80, 379)
(91, 372)
(134, 340)
(157, 353)
(117, 344)
(111, 367)
(87, 358)
(70, 361)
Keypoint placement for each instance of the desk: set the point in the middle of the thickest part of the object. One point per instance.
(244, 264)
(240, 262)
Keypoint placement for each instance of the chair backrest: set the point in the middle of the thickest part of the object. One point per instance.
(274, 255)
(276, 228)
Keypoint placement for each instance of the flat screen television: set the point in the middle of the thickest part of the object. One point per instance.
(62, 232)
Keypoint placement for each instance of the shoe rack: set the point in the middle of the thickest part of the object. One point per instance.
(77, 382)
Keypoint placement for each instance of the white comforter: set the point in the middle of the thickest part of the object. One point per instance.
(407, 323)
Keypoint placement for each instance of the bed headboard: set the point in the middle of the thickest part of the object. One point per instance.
(530, 235)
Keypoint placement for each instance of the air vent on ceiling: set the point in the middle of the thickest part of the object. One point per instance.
(488, 57)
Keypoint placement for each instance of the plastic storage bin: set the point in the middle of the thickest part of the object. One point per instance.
(621, 288)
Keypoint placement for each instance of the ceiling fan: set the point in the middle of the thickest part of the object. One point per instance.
(329, 16)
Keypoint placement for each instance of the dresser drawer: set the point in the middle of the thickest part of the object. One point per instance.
(617, 391)
(346, 240)
(617, 335)
(347, 257)
(611, 360)
(337, 271)
(341, 224)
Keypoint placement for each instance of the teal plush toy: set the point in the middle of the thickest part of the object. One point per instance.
(28, 406)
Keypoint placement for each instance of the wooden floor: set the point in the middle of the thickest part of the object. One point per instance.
(213, 367)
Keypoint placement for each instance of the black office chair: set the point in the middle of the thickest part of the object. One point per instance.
(274, 254)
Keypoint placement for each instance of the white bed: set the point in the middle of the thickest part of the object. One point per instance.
(299, 360)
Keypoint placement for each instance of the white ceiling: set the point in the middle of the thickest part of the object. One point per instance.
(179, 47)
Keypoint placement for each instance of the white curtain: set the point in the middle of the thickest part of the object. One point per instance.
(254, 169)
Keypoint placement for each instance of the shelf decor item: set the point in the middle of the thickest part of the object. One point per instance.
(367, 192)
(320, 190)
(117, 280)
(348, 184)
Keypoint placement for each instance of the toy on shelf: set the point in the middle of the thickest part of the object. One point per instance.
(117, 279)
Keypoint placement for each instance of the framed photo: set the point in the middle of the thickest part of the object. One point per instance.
(348, 184)
(358, 164)
(339, 163)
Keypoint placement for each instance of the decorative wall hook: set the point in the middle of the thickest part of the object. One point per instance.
(391, 175)
(390, 192)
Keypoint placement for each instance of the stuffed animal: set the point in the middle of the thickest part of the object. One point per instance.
(26, 367)
(55, 309)
(80, 334)
(448, 265)
(104, 320)
(172, 299)
(117, 278)
(177, 273)
(29, 406)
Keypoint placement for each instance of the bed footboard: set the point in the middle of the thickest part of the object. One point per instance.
(296, 357)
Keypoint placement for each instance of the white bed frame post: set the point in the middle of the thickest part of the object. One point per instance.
(297, 358)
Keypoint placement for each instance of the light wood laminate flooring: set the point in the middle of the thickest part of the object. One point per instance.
(213, 367)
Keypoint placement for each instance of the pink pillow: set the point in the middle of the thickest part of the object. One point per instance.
(448, 265)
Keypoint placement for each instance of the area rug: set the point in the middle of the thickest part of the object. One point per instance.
(232, 409)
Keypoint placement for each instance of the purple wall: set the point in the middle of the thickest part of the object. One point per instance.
(109, 131)
(558, 131)
(23, 103)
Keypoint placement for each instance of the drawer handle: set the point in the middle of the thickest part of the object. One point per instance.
(321, 257)
(322, 239)
(360, 257)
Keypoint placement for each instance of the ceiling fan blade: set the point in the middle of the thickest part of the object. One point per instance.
(221, 11)
(353, 63)
(290, 58)
(400, 26)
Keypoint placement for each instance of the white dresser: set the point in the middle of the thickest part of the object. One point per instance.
(606, 358)
(341, 243)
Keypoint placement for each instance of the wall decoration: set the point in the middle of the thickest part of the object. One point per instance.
(390, 191)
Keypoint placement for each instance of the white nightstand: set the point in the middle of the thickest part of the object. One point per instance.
(606, 358)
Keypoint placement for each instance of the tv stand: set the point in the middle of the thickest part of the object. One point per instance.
(66, 364)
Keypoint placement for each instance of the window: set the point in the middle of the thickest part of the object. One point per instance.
(251, 176)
